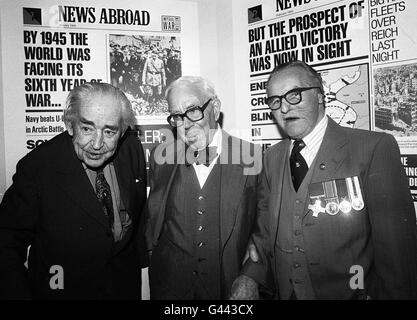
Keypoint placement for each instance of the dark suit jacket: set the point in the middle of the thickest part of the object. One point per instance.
(237, 212)
(381, 237)
(52, 206)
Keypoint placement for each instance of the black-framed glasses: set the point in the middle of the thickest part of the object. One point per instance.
(294, 96)
(195, 113)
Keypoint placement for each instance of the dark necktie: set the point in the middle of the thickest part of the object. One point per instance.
(205, 156)
(104, 196)
(298, 165)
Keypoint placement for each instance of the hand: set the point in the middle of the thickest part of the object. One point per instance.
(251, 252)
(244, 288)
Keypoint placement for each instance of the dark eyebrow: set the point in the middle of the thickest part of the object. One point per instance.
(85, 121)
(91, 123)
(114, 128)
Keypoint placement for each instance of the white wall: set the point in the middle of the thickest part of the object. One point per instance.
(220, 63)
(2, 153)
(12, 124)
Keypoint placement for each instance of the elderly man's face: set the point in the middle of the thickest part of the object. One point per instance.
(97, 130)
(196, 134)
(300, 119)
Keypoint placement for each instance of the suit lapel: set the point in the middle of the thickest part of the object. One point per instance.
(125, 181)
(280, 161)
(232, 183)
(164, 179)
(167, 171)
(75, 182)
(332, 153)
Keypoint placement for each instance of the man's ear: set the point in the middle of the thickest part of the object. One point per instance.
(216, 108)
(70, 128)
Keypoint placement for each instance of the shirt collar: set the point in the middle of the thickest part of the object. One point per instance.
(316, 134)
(87, 168)
(217, 140)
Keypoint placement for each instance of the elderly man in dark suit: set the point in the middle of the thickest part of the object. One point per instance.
(335, 215)
(202, 200)
(77, 201)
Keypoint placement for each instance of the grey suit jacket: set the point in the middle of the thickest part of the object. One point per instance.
(381, 238)
(237, 207)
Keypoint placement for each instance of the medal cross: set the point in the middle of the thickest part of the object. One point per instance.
(316, 208)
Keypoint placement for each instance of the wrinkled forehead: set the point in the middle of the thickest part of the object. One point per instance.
(101, 98)
(103, 104)
(290, 78)
(185, 96)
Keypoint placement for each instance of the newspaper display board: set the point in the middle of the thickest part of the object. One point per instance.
(49, 47)
(365, 50)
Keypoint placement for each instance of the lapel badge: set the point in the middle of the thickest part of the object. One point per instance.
(334, 196)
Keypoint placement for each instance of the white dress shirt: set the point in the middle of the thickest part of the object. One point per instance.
(313, 141)
(201, 170)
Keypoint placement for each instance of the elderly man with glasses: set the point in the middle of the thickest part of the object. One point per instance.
(335, 216)
(200, 210)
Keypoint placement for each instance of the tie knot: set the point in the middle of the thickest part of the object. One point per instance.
(205, 156)
(298, 145)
